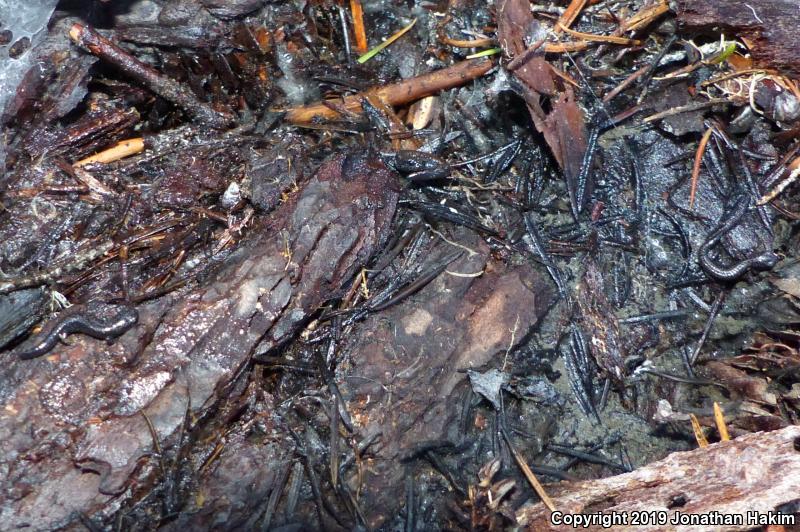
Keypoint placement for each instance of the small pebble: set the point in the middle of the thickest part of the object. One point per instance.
(19, 47)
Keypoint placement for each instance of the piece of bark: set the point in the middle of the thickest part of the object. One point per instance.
(515, 23)
(226, 9)
(94, 130)
(194, 37)
(405, 363)
(72, 433)
(770, 27)
(756, 472)
(19, 311)
(600, 325)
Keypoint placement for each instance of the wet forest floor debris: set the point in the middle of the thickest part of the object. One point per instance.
(256, 276)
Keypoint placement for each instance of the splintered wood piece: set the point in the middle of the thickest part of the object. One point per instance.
(570, 14)
(645, 16)
(743, 478)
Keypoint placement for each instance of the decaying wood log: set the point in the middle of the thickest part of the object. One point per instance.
(754, 473)
(74, 438)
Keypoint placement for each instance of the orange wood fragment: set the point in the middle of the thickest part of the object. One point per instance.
(119, 151)
(698, 158)
(570, 14)
(358, 26)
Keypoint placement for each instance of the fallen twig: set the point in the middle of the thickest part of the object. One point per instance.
(625, 83)
(165, 87)
(118, 151)
(462, 43)
(400, 93)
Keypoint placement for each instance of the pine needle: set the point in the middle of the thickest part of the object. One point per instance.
(375, 51)
(698, 432)
(534, 482)
(484, 53)
(719, 418)
(591, 37)
(358, 26)
(698, 158)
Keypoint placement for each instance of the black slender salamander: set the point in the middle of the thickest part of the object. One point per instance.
(730, 220)
(85, 319)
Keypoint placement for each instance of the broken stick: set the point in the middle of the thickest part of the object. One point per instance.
(118, 151)
(166, 87)
(402, 92)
